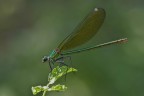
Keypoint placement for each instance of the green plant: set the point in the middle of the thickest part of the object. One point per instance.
(53, 76)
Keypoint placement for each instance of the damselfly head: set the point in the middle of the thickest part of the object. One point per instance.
(45, 58)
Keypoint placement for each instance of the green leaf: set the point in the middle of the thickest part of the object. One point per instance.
(58, 88)
(53, 76)
(36, 89)
(59, 72)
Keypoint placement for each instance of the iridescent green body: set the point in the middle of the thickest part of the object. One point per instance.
(54, 53)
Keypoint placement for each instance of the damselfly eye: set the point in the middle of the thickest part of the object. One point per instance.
(44, 59)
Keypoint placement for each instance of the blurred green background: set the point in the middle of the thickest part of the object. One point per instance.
(30, 29)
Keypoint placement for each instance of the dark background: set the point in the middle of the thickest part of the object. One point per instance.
(30, 29)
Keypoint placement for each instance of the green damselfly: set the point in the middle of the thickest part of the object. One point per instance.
(83, 33)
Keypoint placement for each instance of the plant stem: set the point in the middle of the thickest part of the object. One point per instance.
(44, 93)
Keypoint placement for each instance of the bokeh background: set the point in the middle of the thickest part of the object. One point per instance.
(30, 29)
